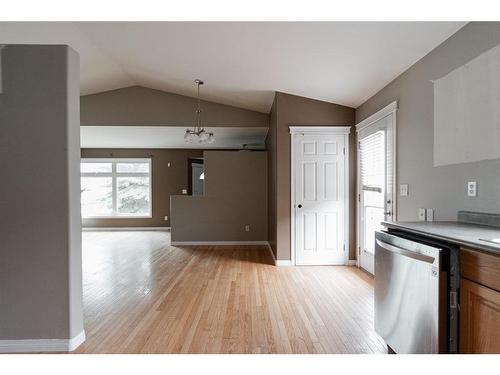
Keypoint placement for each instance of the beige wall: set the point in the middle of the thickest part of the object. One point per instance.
(40, 248)
(442, 188)
(235, 195)
(137, 106)
(166, 181)
(296, 110)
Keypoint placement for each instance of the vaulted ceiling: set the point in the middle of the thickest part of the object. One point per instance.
(242, 63)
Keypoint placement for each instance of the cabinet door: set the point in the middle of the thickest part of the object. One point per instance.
(479, 318)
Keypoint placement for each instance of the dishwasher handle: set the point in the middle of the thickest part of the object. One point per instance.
(404, 252)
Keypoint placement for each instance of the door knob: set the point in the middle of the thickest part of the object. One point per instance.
(300, 206)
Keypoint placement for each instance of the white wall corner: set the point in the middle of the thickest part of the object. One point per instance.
(278, 262)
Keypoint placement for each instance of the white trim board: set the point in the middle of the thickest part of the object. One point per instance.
(388, 109)
(217, 243)
(125, 229)
(283, 263)
(42, 345)
(320, 129)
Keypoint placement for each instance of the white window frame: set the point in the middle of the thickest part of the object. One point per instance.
(113, 174)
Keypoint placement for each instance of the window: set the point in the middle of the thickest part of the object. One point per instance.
(116, 187)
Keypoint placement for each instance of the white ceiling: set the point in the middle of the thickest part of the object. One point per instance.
(168, 137)
(242, 63)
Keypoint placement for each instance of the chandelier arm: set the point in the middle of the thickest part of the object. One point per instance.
(198, 133)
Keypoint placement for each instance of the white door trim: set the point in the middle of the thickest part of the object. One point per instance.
(319, 130)
(390, 109)
(380, 114)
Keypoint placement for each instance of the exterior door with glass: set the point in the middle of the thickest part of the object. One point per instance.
(376, 200)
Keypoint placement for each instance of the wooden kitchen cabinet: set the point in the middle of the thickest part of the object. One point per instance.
(479, 303)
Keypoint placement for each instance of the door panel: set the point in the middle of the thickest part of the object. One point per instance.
(331, 181)
(309, 231)
(479, 318)
(375, 185)
(319, 202)
(309, 181)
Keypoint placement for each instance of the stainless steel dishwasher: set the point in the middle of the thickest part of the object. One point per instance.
(416, 291)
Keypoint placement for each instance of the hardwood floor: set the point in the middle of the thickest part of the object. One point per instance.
(143, 296)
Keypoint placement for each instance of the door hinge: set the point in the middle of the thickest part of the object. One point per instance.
(344, 248)
(359, 197)
(344, 150)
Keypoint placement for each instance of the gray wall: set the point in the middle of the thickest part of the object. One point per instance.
(296, 110)
(442, 188)
(166, 181)
(143, 106)
(271, 177)
(40, 250)
(235, 195)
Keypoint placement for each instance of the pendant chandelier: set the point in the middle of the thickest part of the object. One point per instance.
(197, 134)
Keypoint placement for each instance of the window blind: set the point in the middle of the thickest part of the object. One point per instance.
(372, 151)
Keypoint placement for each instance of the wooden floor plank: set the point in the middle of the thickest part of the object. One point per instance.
(142, 295)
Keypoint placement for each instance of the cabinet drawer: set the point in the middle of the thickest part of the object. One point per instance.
(483, 268)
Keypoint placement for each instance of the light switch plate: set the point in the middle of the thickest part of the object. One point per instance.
(421, 214)
(472, 189)
(166, 218)
(247, 228)
(403, 190)
(429, 214)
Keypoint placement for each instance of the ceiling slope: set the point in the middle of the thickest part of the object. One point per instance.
(242, 63)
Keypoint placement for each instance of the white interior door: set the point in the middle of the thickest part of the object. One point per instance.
(375, 185)
(320, 173)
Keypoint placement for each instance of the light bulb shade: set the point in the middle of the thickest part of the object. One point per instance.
(203, 136)
(188, 137)
(211, 139)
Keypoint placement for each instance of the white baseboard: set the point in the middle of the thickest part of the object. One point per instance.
(351, 262)
(283, 263)
(277, 262)
(42, 345)
(122, 229)
(216, 243)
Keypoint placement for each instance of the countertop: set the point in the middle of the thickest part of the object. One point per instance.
(453, 231)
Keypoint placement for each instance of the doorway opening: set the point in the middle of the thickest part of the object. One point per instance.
(196, 177)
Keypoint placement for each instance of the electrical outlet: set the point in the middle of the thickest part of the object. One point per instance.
(166, 218)
(184, 191)
(403, 190)
(472, 189)
(247, 228)
(421, 214)
(429, 214)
